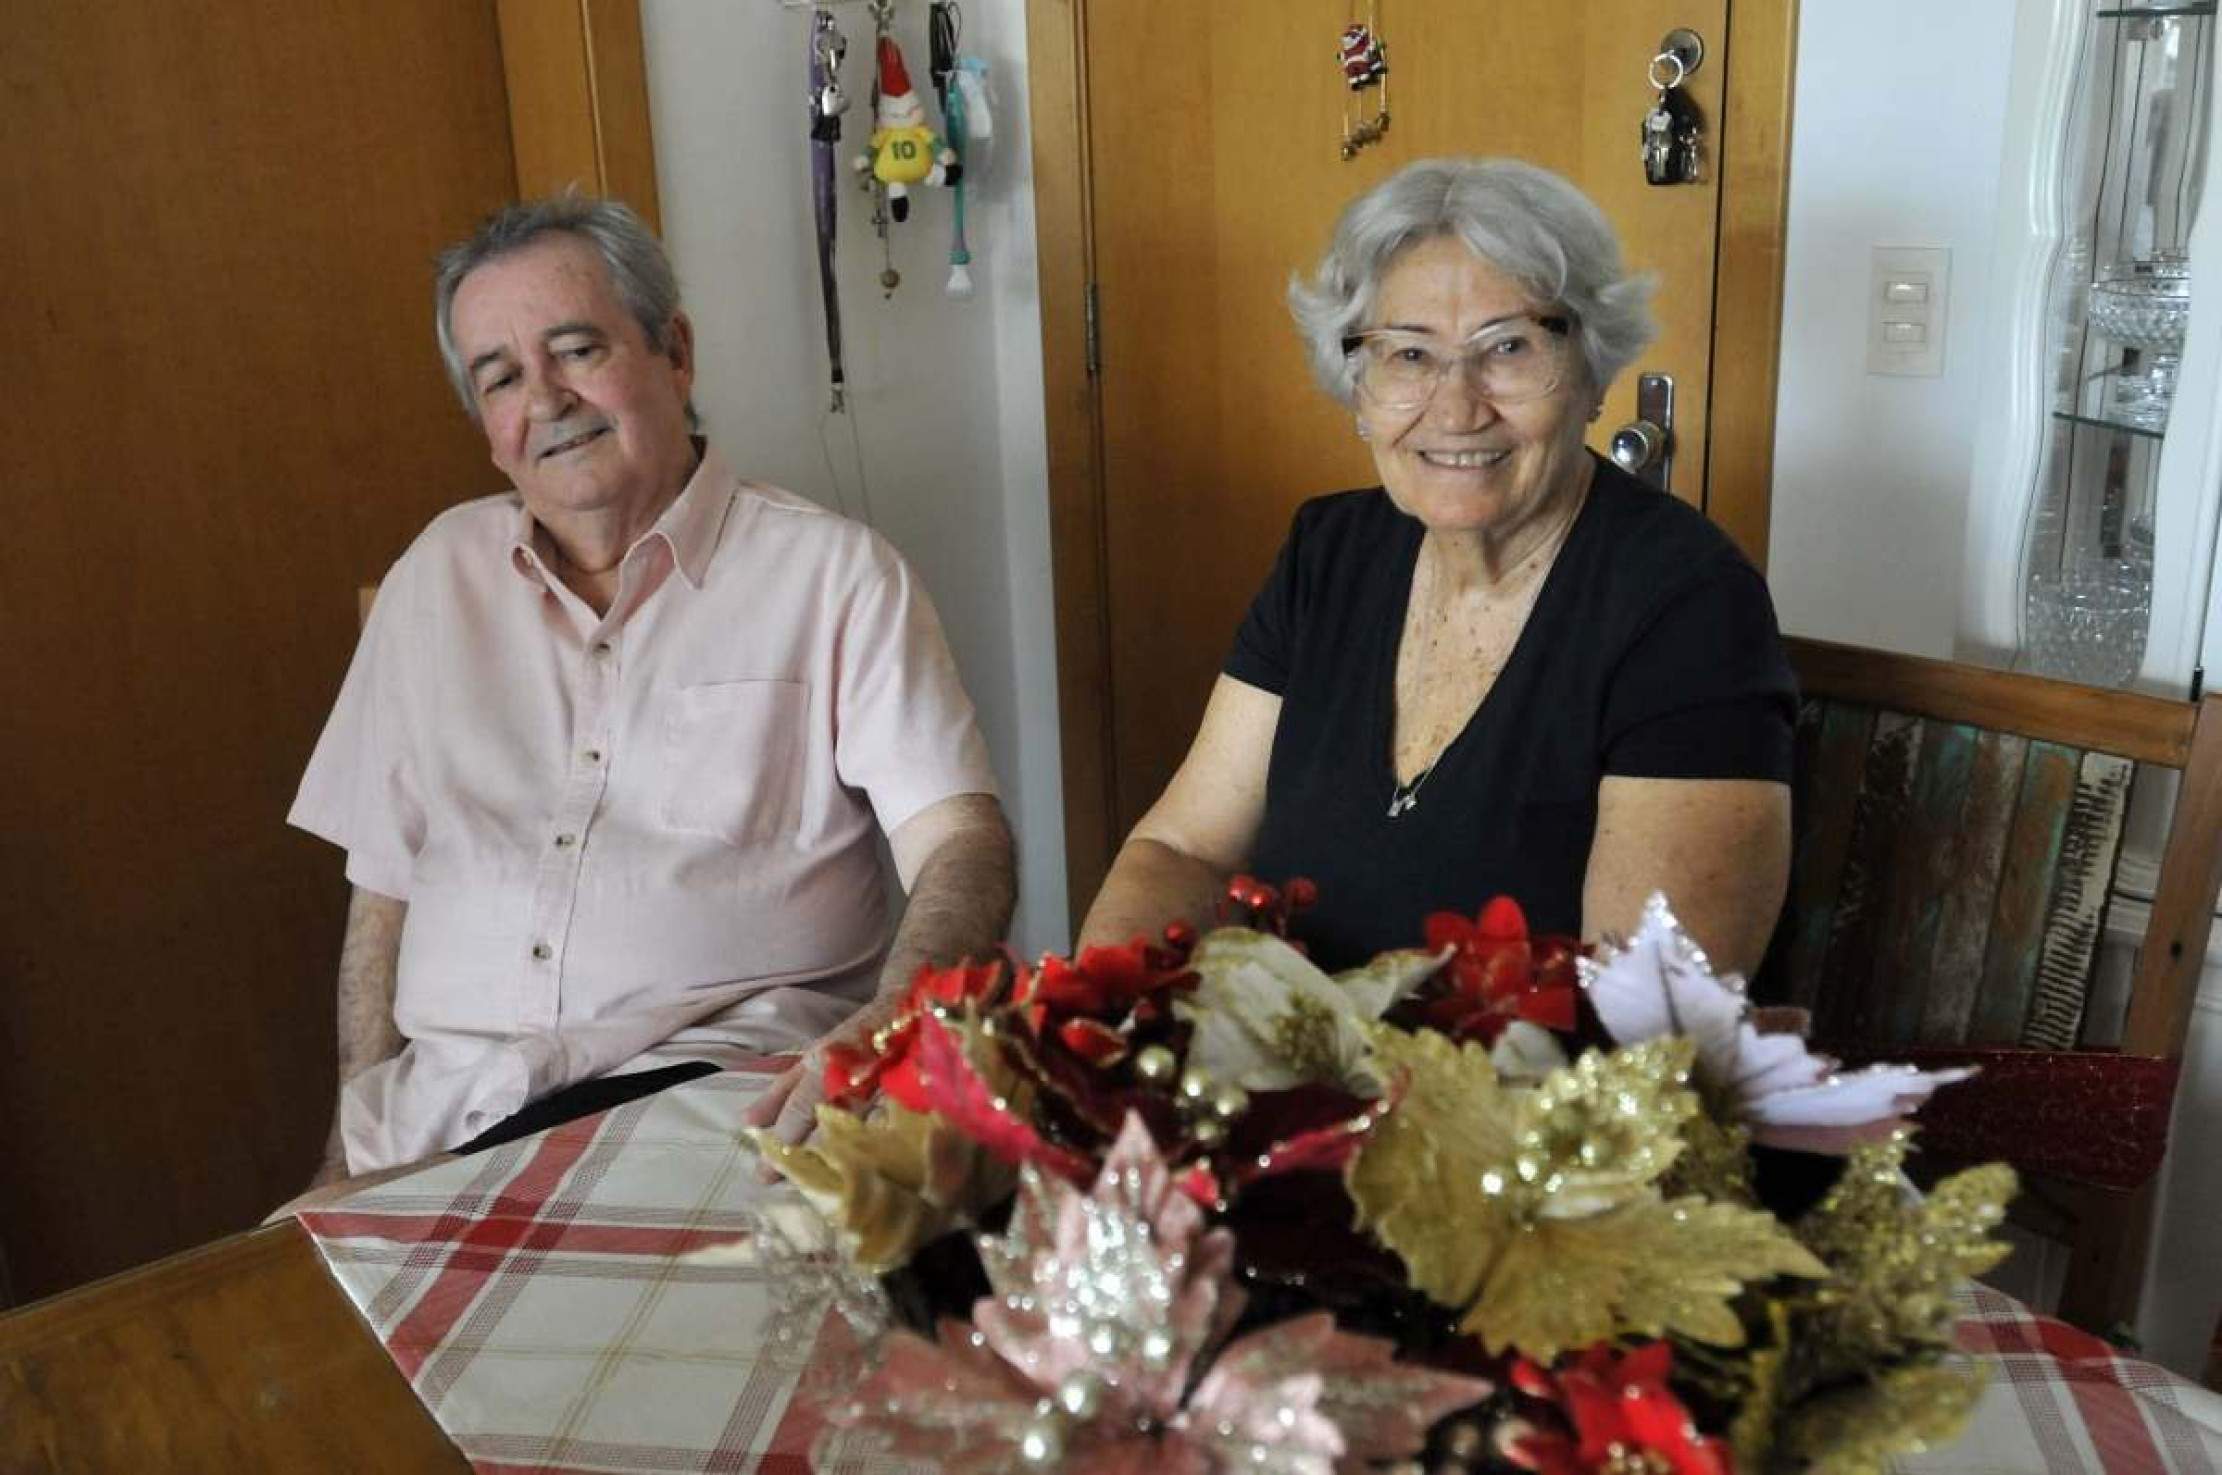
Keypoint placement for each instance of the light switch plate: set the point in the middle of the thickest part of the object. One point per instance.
(1907, 298)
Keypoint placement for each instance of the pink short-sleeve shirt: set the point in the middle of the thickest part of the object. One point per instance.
(632, 838)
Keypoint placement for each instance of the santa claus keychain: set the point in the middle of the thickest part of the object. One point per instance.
(1364, 60)
(904, 149)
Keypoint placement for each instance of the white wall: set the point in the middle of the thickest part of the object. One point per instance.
(1900, 112)
(942, 449)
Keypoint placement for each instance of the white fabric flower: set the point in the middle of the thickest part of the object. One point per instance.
(1661, 983)
(1268, 1018)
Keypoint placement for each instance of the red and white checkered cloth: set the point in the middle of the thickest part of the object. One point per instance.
(534, 1297)
(2060, 1401)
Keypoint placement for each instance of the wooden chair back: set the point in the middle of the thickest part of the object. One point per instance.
(1958, 832)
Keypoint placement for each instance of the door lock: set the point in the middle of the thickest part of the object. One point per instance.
(1644, 447)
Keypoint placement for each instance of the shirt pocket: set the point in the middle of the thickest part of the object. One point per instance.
(734, 760)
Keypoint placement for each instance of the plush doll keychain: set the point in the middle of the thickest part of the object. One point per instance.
(905, 150)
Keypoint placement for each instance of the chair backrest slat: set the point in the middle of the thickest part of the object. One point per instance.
(1848, 1000)
(2090, 843)
(1923, 876)
(2027, 873)
(1966, 911)
(1832, 752)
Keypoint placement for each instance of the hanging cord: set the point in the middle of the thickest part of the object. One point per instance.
(855, 419)
(827, 47)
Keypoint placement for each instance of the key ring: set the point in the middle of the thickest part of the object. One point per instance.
(1681, 71)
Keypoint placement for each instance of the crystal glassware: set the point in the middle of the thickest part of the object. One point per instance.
(2145, 305)
(2087, 622)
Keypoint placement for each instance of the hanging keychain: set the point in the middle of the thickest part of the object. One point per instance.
(1364, 59)
(944, 28)
(890, 278)
(827, 103)
(904, 150)
(1672, 127)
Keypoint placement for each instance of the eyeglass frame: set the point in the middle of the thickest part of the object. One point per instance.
(1558, 325)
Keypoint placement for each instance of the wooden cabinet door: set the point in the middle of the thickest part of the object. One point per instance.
(217, 220)
(1212, 173)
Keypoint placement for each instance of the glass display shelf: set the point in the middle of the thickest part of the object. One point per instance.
(2100, 422)
(2115, 323)
(2124, 12)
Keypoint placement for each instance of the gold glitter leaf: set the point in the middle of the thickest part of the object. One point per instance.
(1647, 1269)
(1895, 1261)
(1432, 1182)
(1857, 1430)
(1715, 1163)
(1599, 1132)
(1751, 1434)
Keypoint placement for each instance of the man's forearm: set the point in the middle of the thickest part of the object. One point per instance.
(960, 903)
(369, 961)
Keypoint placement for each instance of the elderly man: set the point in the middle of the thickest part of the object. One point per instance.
(615, 751)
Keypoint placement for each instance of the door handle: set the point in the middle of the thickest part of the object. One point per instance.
(1644, 447)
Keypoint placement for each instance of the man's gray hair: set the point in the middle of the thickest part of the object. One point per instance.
(1526, 222)
(635, 259)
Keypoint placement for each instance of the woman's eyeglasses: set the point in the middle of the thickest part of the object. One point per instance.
(1518, 359)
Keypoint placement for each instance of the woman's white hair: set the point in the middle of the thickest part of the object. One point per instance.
(1526, 222)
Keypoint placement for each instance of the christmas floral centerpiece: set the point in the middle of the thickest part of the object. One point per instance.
(1196, 1205)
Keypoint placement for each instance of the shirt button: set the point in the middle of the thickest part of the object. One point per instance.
(566, 840)
(542, 951)
(593, 755)
(601, 647)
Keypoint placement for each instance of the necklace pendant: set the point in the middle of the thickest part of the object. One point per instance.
(1403, 801)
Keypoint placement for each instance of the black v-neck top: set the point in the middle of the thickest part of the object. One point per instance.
(1651, 652)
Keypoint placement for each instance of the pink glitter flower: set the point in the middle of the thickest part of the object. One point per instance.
(1099, 1353)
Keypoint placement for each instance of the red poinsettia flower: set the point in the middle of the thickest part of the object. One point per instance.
(1497, 973)
(854, 1073)
(947, 1086)
(1623, 1416)
(1103, 983)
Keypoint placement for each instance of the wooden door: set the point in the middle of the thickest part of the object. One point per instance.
(1209, 151)
(217, 220)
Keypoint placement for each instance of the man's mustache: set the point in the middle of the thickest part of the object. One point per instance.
(563, 432)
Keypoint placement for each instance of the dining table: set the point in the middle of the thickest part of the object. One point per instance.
(583, 1300)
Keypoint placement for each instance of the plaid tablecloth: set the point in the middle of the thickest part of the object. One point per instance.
(535, 1298)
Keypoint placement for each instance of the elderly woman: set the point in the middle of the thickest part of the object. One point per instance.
(1509, 669)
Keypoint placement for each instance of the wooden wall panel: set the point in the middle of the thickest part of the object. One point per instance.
(216, 224)
(577, 80)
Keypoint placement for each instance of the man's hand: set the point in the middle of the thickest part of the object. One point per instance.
(789, 1106)
(954, 860)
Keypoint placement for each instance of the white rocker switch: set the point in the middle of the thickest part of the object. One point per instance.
(1905, 310)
